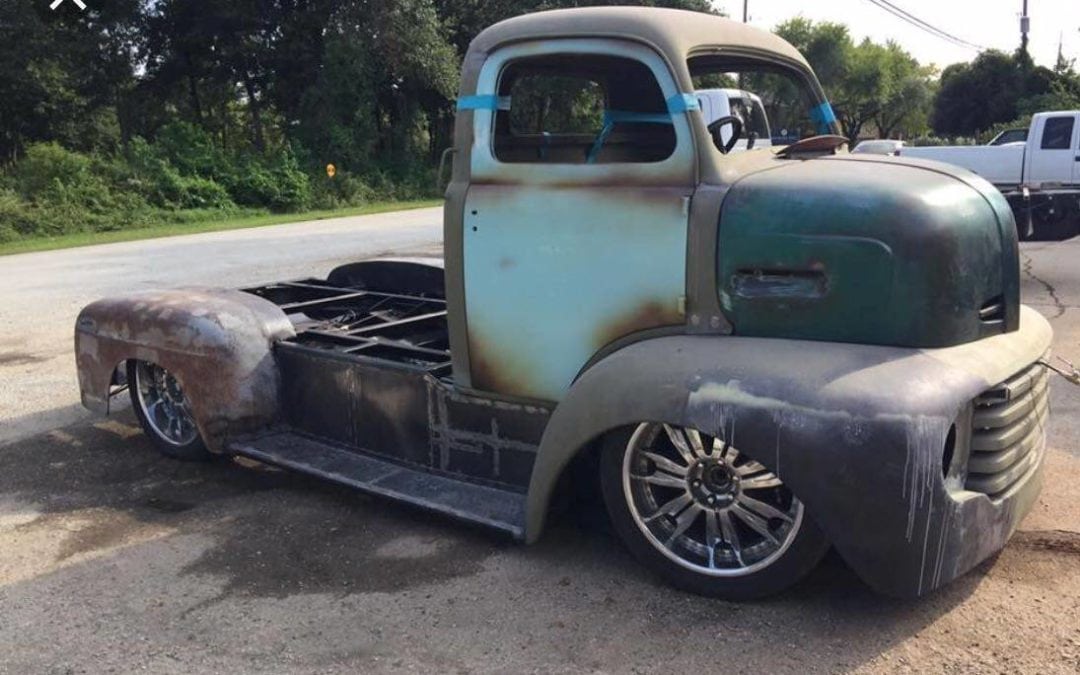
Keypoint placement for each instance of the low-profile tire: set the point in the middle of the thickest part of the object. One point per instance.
(704, 517)
(163, 412)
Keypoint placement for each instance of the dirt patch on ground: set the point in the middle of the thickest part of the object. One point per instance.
(1055, 541)
(20, 359)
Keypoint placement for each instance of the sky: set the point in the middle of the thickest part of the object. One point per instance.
(993, 24)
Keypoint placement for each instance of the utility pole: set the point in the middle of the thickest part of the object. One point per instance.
(746, 7)
(1025, 25)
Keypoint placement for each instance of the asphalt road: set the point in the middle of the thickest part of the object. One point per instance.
(113, 559)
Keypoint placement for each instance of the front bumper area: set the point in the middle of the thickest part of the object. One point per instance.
(901, 456)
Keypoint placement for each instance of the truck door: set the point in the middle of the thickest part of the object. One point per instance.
(1053, 150)
(575, 218)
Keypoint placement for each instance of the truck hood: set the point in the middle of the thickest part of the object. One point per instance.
(875, 250)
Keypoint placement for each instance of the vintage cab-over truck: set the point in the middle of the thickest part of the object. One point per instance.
(758, 353)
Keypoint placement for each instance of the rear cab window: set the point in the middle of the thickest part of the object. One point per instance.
(581, 109)
(1058, 133)
(565, 112)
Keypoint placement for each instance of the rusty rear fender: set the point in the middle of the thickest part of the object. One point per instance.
(217, 342)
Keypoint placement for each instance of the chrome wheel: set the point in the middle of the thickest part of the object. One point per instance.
(164, 406)
(704, 505)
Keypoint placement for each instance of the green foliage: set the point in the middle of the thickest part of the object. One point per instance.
(1006, 87)
(344, 189)
(556, 103)
(48, 169)
(275, 182)
(869, 85)
(137, 110)
(191, 149)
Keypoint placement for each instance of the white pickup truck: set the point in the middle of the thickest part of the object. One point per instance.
(1040, 177)
(747, 106)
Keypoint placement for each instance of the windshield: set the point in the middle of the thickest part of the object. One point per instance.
(770, 101)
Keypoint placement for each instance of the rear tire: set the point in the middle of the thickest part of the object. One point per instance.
(704, 517)
(163, 412)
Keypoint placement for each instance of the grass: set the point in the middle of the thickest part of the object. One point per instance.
(29, 245)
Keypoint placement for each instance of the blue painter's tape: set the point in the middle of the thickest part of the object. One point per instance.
(823, 116)
(680, 103)
(608, 127)
(483, 102)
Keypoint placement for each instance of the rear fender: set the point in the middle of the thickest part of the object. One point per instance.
(218, 343)
(409, 276)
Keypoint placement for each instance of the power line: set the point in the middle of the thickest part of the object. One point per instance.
(919, 23)
(923, 25)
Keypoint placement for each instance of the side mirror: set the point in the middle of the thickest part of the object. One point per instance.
(439, 185)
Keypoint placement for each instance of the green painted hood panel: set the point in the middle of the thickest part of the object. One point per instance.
(875, 251)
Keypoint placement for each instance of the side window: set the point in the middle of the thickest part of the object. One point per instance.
(581, 109)
(1057, 134)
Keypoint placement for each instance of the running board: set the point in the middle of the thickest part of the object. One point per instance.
(502, 510)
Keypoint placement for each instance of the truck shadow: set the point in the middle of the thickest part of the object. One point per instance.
(271, 535)
(277, 533)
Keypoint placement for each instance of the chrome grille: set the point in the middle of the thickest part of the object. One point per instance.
(1008, 431)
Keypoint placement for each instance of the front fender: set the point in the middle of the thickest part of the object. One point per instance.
(217, 342)
(856, 431)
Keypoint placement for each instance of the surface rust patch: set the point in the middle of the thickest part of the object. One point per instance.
(493, 373)
(651, 314)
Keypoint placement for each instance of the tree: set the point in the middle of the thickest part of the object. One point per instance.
(906, 107)
(64, 77)
(869, 85)
(975, 96)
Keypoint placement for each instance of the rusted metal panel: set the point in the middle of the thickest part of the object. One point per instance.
(216, 342)
(559, 260)
(405, 414)
(554, 275)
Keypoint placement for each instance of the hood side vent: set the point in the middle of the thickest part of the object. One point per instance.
(993, 310)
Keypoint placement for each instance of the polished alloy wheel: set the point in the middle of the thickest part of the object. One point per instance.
(704, 505)
(164, 405)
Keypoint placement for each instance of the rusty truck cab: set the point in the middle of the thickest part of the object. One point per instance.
(584, 223)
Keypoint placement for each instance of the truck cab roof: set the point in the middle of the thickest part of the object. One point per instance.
(674, 32)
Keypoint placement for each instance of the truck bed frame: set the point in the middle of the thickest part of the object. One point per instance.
(399, 328)
(368, 401)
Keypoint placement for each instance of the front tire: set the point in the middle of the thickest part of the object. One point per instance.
(705, 517)
(163, 412)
